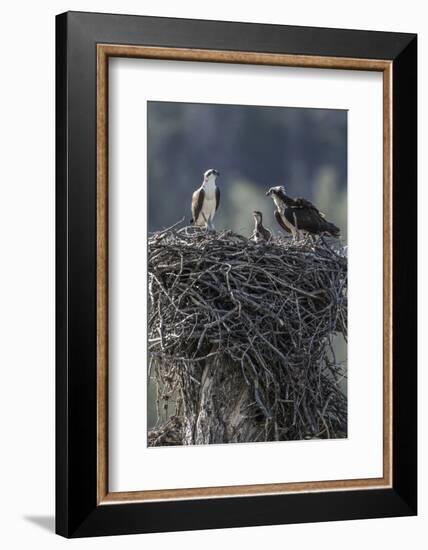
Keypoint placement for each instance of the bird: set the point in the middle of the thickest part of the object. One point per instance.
(205, 201)
(299, 215)
(260, 233)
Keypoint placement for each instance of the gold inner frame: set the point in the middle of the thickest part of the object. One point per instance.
(104, 51)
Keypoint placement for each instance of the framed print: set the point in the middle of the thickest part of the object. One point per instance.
(236, 286)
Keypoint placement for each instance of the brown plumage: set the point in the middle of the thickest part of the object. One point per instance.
(295, 215)
(205, 201)
(260, 233)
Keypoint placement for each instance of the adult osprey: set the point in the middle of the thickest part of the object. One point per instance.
(295, 215)
(260, 233)
(205, 200)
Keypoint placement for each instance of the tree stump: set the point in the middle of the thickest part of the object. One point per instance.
(241, 338)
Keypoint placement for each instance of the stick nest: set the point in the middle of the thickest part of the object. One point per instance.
(268, 310)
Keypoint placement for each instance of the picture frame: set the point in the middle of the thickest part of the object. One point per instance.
(84, 44)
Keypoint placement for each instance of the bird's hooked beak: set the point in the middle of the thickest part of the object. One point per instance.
(275, 190)
(216, 173)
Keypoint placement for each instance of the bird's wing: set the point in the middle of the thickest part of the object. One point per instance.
(309, 219)
(303, 203)
(306, 219)
(197, 202)
(281, 223)
(267, 234)
(217, 197)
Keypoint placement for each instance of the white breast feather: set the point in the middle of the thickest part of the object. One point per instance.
(281, 207)
(278, 203)
(209, 205)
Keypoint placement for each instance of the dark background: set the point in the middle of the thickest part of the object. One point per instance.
(254, 148)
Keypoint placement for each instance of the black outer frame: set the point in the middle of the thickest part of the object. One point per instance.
(77, 513)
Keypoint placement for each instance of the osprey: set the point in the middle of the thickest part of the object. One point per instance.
(260, 233)
(295, 215)
(205, 201)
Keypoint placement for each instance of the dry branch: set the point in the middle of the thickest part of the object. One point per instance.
(240, 337)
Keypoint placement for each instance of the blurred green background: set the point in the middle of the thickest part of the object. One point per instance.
(254, 148)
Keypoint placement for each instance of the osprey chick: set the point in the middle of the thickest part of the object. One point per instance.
(260, 233)
(205, 201)
(295, 215)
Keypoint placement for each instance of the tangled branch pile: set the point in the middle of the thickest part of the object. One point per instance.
(241, 337)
